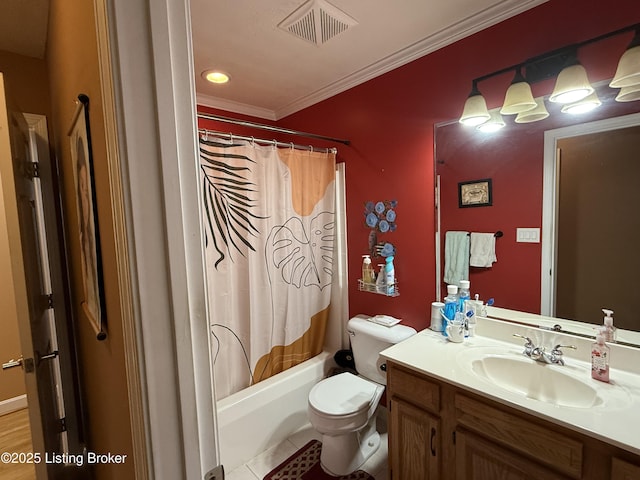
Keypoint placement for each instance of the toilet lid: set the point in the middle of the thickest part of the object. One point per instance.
(342, 394)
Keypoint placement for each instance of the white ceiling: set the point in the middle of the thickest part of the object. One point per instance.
(275, 73)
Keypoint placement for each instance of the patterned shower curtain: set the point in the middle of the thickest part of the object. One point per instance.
(269, 216)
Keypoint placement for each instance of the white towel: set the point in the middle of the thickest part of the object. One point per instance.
(482, 249)
(456, 257)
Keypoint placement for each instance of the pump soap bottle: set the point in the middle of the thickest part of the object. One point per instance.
(600, 358)
(367, 270)
(609, 330)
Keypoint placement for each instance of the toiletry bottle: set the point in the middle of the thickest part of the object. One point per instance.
(450, 307)
(380, 285)
(390, 275)
(464, 295)
(610, 331)
(367, 270)
(600, 358)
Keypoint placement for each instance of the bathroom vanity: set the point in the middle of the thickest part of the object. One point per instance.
(482, 410)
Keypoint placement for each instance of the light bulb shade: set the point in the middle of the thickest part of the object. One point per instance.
(629, 94)
(518, 99)
(572, 85)
(494, 123)
(582, 106)
(475, 111)
(535, 114)
(628, 71)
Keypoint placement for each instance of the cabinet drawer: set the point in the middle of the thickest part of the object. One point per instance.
(562, 453)
(480, 459)
(405, 384)
(621, 470)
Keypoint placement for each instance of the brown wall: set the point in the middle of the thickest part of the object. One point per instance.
(72, 58)
(25, 80)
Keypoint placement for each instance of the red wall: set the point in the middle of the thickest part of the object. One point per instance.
(390, 123)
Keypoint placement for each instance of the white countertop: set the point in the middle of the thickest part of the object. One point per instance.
(615, 421)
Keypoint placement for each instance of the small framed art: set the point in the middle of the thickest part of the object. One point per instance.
(475, 193)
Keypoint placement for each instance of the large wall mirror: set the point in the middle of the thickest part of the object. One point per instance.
(586, 258)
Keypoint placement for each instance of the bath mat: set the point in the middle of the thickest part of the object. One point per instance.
(305, 465)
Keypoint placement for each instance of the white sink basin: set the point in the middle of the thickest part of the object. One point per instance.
(539, 381)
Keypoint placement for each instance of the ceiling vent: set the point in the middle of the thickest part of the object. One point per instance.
(317, 21)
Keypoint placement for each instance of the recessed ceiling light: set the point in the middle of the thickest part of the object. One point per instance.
(215, 76)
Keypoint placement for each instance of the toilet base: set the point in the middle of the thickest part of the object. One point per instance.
(344, 454)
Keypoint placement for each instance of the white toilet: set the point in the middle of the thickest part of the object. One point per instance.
(342, 407)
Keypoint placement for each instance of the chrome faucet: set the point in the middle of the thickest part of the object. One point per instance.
(539, 354)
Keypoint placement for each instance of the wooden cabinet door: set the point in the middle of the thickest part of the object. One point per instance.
(621, 470)
(414, 443)
(479, 459)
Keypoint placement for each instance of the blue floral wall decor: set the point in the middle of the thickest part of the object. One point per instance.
(380, 217)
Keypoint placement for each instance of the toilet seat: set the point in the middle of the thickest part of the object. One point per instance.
(344, 395)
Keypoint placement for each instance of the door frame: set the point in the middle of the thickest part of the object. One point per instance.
(549, 196)
(148, 91)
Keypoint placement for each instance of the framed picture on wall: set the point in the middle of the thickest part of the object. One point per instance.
(93, 302)
(475, 193)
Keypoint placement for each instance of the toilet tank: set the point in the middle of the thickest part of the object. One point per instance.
(368, 339)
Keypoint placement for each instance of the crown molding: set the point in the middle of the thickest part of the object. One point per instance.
(235, 107)
(459, 30)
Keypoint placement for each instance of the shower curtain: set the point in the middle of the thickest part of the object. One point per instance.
(269, 216)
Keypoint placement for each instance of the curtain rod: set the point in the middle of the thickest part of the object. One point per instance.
(232, 136)
(271, 128)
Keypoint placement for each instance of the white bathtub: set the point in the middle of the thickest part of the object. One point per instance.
(260, 416)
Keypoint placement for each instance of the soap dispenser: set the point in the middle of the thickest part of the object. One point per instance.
(609, 331)
(600, 358)
(367, 270)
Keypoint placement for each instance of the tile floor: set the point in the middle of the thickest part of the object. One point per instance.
(257, 468)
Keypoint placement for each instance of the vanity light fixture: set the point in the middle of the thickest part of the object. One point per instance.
(582, 106)
(628, 71)
(629, 94)
(535, 114)
(215, 76)
(518, 97)
(572, 84)
(494, 123)
(475, 108)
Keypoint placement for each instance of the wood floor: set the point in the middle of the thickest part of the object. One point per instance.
(15, 436)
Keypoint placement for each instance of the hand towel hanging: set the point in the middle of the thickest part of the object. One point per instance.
(456, 257)
(482, 250)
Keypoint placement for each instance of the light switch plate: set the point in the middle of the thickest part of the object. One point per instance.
(528, 235)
